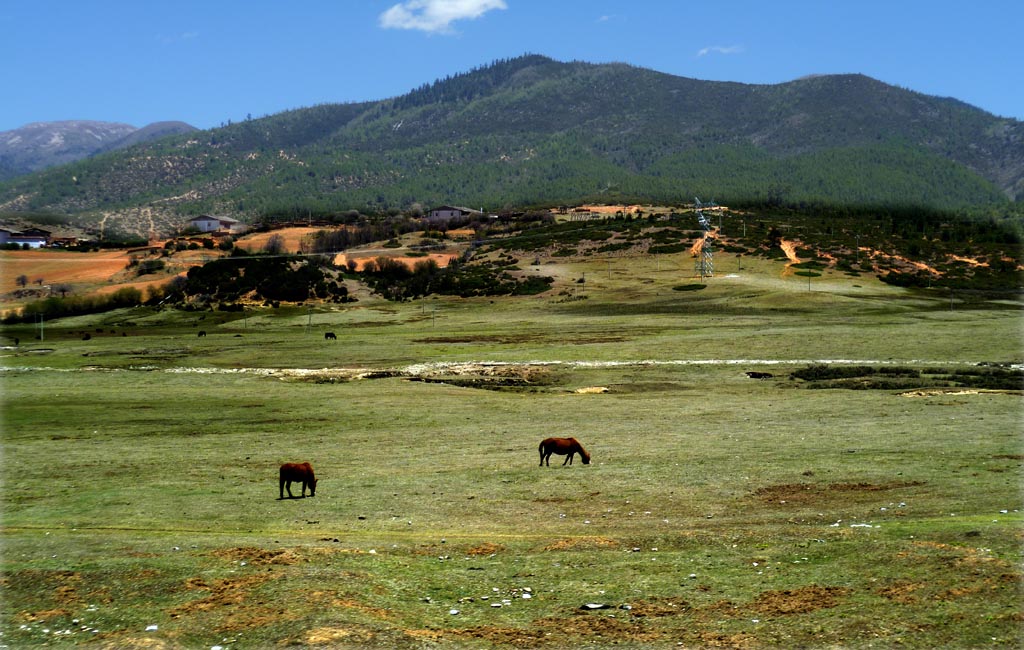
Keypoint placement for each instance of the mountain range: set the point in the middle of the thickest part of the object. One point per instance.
(533, 131)
(39, 145)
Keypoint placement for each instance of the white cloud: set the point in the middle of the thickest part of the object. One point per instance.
(435, 16)
(720, 49)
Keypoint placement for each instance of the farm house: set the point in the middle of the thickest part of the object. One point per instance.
(208, 223)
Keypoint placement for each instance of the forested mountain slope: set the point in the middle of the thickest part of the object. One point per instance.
(533, 131)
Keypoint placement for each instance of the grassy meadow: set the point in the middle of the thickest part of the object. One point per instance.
(140, 498)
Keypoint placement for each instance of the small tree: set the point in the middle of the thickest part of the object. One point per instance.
(274, 245)
(22, 280)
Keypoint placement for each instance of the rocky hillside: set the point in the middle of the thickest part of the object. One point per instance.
(41, 145)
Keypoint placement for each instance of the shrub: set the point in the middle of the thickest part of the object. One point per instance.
(150, 266)
(54, 307)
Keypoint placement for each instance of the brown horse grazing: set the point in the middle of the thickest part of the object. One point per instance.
(299, 473)
(562, 447)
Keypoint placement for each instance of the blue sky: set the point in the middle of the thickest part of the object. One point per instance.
(209, 61)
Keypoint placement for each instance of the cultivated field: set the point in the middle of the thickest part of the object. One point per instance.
(140, 503)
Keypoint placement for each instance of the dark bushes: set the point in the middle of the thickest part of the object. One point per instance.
(902, 378)
(54, 307)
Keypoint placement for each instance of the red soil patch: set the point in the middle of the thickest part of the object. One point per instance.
(581, 543)
(442, 259)
(901, 591)
(348, 603)
(227, 592)
(611, 209)
(804, 493)
(659, 607)
(44, 615)
(257, 556)
(487, 548)
(798, 601)
(336, 635)
(86, 273)
(141, 285)
(59, 267)
(292, 238)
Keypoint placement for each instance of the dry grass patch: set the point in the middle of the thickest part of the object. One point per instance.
(139, 643)
(257, 556)
(659, 607)
(810, 493)
(334, 635)
(582, 544)
(487, 548)
(224, 592)
(901, 591)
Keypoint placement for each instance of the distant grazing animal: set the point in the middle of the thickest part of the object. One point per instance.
(201, 334)
(562, 447)
(330, 336)
(299, 473)
(760, 375)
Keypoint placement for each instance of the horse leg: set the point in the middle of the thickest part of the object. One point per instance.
(280, 486)
(568, 459)
(288, 486)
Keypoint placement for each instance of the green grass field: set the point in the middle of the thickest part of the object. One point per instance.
(140, 498)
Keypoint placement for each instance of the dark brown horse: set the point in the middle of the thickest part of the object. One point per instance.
(299, 473)
(562, 447)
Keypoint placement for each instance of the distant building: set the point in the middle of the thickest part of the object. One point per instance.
(208, 223)
(33, 237)
(451, 212)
